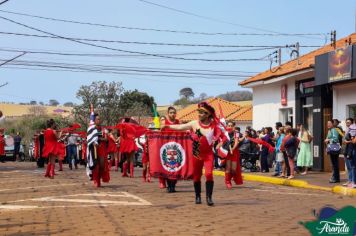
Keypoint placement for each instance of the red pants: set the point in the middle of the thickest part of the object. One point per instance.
(208, 163)
(101, 171)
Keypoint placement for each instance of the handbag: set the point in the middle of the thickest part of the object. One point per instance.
(333, 148)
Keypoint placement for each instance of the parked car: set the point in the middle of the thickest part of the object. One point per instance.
(10, 149)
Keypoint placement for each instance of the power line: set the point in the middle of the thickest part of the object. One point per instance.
(161, 30)
(167, 76)
(12, 59)
(130, 55)
(128, 69)
(30, 51)
(212, 19)
(127, 51)
(3, 2)
(155, 43)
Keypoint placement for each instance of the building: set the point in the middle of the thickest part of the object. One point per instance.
(310, 90)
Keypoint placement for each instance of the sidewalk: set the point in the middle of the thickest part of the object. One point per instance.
(313, 180)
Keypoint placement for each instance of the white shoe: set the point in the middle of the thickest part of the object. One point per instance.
(346, 184)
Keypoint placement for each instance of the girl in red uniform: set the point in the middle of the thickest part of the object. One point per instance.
(206, 131)
(128, 147)
(2, 146)
(101, 170)
(169, 120)
(145, 159)
(51, 147)
(112, 149)
(233, 167)
(61, 154)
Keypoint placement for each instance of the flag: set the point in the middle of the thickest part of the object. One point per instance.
(92, 141)
(221, 115)
(270, 148)
(156, 120)
(171, 154)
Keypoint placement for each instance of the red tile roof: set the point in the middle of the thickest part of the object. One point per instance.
(189, 113)
(303, 62)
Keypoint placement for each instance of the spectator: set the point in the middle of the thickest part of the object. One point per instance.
(305, 159)
(285, 163)
(17, 144)
(264, 153)
(72, 157)
(279, 153)
(348, 151)
(291, 149)
(333, 149)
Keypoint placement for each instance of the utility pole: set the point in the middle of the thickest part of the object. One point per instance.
(333, 38)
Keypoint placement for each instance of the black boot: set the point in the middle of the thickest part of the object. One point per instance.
(173, 185)
(197, 188)
(209, 185)
(169, 186)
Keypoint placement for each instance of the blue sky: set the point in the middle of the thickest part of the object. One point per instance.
(302, 16)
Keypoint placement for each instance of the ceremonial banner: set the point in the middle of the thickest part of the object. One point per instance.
(170, 154)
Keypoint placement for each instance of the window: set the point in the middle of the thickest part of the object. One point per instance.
(351, 111)
(286, 115)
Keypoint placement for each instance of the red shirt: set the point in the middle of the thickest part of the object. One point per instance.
(2, 146)
(168, 122)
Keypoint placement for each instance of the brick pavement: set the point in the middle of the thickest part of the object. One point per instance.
(252, 209)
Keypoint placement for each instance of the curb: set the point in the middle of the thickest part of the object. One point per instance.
(293, 183)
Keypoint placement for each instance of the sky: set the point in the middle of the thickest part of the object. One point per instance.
(28, 81)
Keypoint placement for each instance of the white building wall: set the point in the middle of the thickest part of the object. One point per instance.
(343, 95)
(267, 103)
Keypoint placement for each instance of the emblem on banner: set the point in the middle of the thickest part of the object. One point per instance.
(172, 156)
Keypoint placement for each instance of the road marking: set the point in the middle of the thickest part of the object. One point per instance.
(86, 202)
(36, 187)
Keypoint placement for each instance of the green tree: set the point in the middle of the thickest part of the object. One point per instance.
(105, 98)
(186, 93)
(136, 103)
(53, 102)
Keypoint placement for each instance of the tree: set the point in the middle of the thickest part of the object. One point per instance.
(68, 104)
(105, 98)
(41, 103)
(186, 93)
(135, 98)
(203, 96)
(33, 103)
(53, 102)
(236, 96)
(182, 102)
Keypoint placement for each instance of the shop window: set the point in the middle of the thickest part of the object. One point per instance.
(286, 115)
(352, 111)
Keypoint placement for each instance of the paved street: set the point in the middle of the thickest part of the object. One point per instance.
(69, 205)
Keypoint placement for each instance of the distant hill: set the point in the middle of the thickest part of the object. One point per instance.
(236, 96)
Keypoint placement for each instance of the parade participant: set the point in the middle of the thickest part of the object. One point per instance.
(101, 170)
(145, 159)
(128, 146)
(112, 149)
(61, 153)
(2, 146)
(205, 132)
(233, 167)
(170, 119)
(51, 149)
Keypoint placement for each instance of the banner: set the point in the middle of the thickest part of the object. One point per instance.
(170, 154)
